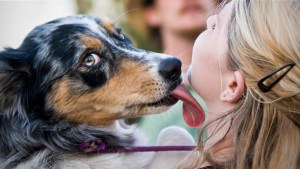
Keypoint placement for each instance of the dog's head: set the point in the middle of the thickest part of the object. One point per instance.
(84, 70)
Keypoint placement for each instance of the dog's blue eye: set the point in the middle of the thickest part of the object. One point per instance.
(91, 59)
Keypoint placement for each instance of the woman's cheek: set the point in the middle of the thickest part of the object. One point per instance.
(201, 57)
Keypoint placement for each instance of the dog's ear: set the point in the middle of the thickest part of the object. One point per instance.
(14, 75)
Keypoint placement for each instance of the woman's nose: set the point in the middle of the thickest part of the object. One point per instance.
(211, 21)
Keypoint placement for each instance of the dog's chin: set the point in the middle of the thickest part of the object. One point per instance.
(159, 106)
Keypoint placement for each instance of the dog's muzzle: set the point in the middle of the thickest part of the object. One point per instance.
(170, 69)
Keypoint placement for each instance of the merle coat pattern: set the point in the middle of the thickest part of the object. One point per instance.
(70, 81)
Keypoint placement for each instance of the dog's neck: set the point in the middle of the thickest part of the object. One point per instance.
(21, 138)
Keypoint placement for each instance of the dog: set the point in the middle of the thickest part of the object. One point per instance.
(72, 80)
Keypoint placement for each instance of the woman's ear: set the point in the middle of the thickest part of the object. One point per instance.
(151, 16)
(235, 88)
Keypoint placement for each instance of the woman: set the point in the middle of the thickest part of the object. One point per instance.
(246, 67)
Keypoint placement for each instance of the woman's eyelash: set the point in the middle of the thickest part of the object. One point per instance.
(213, 26)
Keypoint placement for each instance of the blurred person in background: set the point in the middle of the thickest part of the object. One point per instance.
(171, 27)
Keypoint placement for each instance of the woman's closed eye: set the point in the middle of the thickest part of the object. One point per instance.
(211, 22)
(213, 26)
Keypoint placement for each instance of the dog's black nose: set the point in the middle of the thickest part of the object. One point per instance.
(170, 68)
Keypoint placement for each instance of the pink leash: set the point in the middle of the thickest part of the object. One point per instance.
(99, 146)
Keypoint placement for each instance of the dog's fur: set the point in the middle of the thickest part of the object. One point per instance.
(54, 96)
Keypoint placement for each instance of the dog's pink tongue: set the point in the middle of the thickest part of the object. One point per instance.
(193, 113)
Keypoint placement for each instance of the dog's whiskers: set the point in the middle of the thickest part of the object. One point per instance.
(116, 20)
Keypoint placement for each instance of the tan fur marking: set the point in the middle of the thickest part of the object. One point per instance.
(91, 42)
(131, 86)
(108, 25)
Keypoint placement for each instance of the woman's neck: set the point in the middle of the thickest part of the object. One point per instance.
(220, 143)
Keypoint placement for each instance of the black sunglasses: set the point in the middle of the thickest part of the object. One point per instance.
(267, 87)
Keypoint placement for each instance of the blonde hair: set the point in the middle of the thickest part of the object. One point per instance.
(263, 35)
